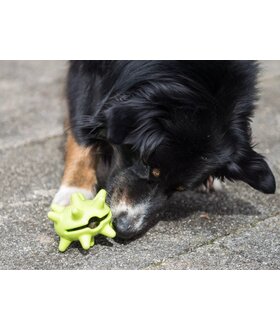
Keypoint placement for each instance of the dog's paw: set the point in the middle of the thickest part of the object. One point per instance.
(62, 197)
(212, 185)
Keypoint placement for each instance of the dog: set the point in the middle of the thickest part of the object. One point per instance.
(145, 129)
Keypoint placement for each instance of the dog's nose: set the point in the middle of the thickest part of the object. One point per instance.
(122, 226)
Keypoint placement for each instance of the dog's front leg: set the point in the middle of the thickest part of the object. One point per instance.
(79, 172)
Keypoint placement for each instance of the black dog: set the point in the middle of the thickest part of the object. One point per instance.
(154, 127)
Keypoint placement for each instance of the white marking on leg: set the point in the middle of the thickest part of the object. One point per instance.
(212, 185)
(62, 197)
(218, 185)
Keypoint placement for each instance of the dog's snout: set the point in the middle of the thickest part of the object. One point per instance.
(123, 226)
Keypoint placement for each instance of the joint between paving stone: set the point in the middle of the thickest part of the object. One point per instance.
(31, 142)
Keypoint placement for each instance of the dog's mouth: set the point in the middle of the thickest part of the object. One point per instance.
(92, 223)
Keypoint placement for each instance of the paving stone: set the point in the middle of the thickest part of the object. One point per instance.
(269, 70)
(257, 247)
(32, 105)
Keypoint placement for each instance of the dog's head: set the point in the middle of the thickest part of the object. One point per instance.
(181, 123)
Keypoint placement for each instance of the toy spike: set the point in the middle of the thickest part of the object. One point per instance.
(76, 198)
(92, 242)
(54, 217)
(82, 197)
(108, 231)
(63, 244)
(76, 213)
(57, 208)
(99, 199)
(85, 241)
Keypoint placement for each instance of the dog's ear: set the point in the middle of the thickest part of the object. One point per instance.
(120, 122)
(253, 170)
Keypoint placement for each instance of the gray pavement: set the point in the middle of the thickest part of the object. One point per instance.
(241, 229)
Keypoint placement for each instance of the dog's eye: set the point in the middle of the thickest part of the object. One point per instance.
(156, 172)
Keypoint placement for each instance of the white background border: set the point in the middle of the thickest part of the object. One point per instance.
(139, 300)
(146, 29)
(139, 30)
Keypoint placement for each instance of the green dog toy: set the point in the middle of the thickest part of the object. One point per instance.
(82, 220)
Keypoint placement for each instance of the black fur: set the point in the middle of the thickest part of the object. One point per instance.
(190, 119)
